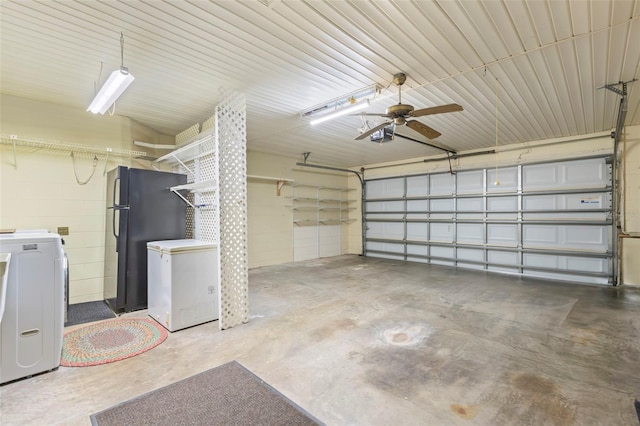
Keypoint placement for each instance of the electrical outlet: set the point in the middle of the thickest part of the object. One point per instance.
(63, 230)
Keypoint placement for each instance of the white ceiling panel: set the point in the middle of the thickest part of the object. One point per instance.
(547, 59)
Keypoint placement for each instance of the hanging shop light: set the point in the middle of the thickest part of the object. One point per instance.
(115, 85)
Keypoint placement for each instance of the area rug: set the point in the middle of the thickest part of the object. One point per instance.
(226, 395)
(110, 341)
(82, 313)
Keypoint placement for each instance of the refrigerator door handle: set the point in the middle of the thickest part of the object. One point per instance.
(115, 207)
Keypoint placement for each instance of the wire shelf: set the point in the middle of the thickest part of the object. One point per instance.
(78, 149)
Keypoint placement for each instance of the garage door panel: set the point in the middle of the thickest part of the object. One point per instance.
(467, 265)
(442, 252)
(390, 230)
(441, 232)
(591, 237)
(471, 182)
(417, 186)
(501, 204)
(507, 178)
(415, 249)
(385, 188)
(566, 263)
(554, 276)
(445, 205)
(441, 184)
(470, 233)
(385, 206)
(567, 237)
(503, 257)
(571, 174)
(417, 231)
(470, 204)
(470, 254)
(502, 234)
(418, 206)
(582, 201)
(385, 247)
(551, 220)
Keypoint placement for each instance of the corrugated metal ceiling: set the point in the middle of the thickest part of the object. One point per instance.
(548, 59)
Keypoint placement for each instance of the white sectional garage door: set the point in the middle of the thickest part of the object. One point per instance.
(550, 220)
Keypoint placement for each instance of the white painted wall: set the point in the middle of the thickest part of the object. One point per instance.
(630, 200)
(270, 216)
(41, 192)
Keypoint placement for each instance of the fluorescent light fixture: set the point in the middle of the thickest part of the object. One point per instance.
(369, 93)
(358, 106)
(117, 82)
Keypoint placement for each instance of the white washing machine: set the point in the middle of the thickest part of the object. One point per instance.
(31, 329)
(182, 282)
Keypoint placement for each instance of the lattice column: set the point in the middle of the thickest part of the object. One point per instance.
(207, 215)
(231, 135)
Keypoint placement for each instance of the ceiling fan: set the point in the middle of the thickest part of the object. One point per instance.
(400, 114)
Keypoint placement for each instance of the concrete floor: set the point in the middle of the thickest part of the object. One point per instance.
(361, 341)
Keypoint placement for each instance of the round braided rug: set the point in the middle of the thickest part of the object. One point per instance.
(110, 341)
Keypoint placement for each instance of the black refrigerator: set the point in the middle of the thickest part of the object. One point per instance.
(140, 208)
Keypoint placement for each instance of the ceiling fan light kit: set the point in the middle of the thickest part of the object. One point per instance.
(115, 85)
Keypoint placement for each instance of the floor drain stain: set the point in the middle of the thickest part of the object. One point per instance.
(400, 337)
(406, 334)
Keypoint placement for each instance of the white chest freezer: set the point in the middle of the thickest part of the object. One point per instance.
(182, 282)
(31, 329)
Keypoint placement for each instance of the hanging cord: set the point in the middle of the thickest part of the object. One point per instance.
(95, 163)
(112, 110)
(497, 181)
(121, 50)
(97, 82)
(106, 162)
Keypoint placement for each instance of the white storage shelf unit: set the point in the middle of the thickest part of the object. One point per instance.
(319, 213)
(549, 220)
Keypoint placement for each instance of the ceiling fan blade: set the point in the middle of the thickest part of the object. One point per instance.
(371, 131)
(423, 129)
(436, 110)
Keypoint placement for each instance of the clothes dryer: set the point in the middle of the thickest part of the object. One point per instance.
(31, 329)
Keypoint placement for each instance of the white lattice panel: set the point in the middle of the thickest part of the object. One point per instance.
(231, 136)
(207, 215)
(208, 123)
(186, 135)
(188, 170)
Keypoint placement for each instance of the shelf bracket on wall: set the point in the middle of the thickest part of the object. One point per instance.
(280, 182)
(198, 187)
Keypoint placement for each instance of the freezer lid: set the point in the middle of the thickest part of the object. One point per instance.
(180, 246)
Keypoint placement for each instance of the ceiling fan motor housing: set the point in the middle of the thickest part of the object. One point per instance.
(399, 110)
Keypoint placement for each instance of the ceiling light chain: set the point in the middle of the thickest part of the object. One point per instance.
(121, 49)
(112, 110)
